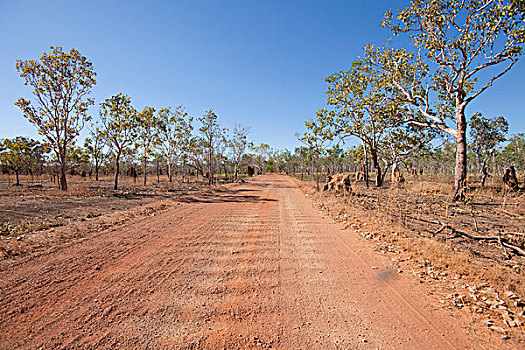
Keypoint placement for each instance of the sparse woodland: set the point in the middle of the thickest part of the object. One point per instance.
(122, 140)
(418, 164)
(406, 108)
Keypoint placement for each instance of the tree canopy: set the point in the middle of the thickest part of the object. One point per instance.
(61, 82)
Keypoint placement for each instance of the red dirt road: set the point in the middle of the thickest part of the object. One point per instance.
(254, 266)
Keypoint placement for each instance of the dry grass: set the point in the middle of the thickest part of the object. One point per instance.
(37, 204)
(460, 271)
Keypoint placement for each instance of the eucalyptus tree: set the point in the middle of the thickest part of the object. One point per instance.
(61, 82)
(17, 153)
(212, 136)
(402, 143)
(357, 154)
(175, 133)
(94, 145)
(462, 48)
(239, 145)
(119, 127)
(486, 134)
(303, 156)
(290, 161)
(78, 160)
(262, 151)
(147, 138)
(195, 155)
(514, 152)
(317, 141)
(363, 107)
(38, 158)
(333, 160)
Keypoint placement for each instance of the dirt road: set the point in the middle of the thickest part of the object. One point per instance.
(254, 266)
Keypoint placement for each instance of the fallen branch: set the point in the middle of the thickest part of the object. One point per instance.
(439, 230)
(444, 226)
(507, 255)
(502, 242)
(517, 216)
(514, 248)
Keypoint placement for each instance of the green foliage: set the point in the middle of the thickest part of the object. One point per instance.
(239, 145)
(94, 146)
(175, 135)
(77, 157)
(366, 106)
(514, 152)
(461, 48)
(212, 136)
(119, 123)
(147, 138)
(456, 41)
(19, 152)
(60, 81)
(486, 134)
(119, 127)
(262, 151)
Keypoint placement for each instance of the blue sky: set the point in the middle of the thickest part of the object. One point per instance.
(258, 63)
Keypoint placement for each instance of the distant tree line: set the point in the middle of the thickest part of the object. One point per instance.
(163, 141)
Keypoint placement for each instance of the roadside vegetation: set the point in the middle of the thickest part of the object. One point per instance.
(428, 180)
(432, 186)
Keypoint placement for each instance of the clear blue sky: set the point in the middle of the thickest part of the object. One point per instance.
(258, 63)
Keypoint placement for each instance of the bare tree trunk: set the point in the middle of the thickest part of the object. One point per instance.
(17, 179)
(460, 175)
(63, 181)
(210, 168)
(97, 166)
(484, 177)
(117, 169)
(493, 167)
(145, 165)
(377, 167)
(158, 172)
(394, 168)
(317, 172)
(365, 165)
